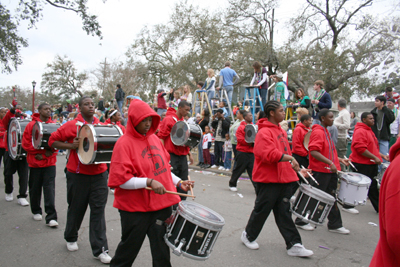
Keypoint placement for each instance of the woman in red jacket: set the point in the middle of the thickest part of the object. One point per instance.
(42, 170)
(274, 173)
(141, 161)
(115, 118)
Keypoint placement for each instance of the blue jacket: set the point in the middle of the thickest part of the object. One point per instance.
(324, 102)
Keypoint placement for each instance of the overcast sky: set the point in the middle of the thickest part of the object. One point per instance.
(60, 32)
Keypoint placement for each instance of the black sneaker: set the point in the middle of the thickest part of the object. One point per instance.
(199, 164)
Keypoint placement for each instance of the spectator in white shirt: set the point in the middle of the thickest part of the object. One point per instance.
(394, 126)
(342, 122)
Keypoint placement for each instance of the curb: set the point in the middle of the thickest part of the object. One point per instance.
(227, 173)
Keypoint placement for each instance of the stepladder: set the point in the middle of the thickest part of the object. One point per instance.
(223, 96)
(251, 99)
(200, 102)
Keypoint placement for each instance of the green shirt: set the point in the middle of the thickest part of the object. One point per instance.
(280, 93)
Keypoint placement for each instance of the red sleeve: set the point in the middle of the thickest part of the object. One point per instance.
(317, 141)
(63, 134)
(296, 137)
(240, 134)
(165, 128)
(27, 140)
(360, 141)
(267, 151)
(7, 118)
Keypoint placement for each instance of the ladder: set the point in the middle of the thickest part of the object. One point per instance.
(252, 100)
(223, 95)
(203, 96)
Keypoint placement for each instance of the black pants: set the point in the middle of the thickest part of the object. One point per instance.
(84, 190)
(234, 154)
(303, 161)
(275, 197)
(10, 167)
(328, 183)
(218, 153)
(43, 178)
(135, 226)
(180, 168)
(373, 193)
(245, 161)
(2, 151)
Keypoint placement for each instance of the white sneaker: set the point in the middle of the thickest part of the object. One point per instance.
(9, 197)
(52, 223)
(214, 166)
(351, 210)
(37, 217)
(72, 246)
(104, 257)
(298, 250)
(233, 189)
(221, 168)
(23, 202)
(247, 243)
(228, 170)
(307, 227)
(340, 230)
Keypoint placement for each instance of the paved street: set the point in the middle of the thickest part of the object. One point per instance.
(25, 242)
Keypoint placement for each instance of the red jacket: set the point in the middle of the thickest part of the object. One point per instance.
(320, 140)
(298, 140)
(3, 134)
(242, 145)
(165, 130)
(387, 252)
(67, 133)
(6, 121)
(363, 139)
(141, 156)
(118, 123)
(270, 145)
(27, 145)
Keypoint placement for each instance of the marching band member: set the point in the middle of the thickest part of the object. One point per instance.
(3, 133)
(86, 185)
(245, 157)
(115, 118)
(274, 173)
(42, 170)
(178, 154)
(365, 154)
(142, 161)
(324, 163)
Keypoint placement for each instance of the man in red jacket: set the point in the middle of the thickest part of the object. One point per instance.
(42, 173)
(274, 173)
(3, 132)
(245, 156)
(86, 185)
(178, 154)
(142, 161)
(365, 155)
(387, 252)
(325, 163)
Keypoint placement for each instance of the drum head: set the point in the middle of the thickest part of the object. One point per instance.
(250, 133)
(14, 130)
(37, 135)
(193, 211)
(306, 140)
(355, 178)
(317, 194)
(87, 144)
(180, 133)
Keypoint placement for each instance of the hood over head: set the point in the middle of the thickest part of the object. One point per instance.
(138, 111)
(36, 117)
(264, 122)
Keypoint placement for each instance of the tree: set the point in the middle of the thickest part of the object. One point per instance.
(62, 78)
(32, 10)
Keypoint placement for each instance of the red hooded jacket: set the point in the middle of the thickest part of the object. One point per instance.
(3, 134)
(118, 123)
(387, 252)
(242, 145)
(6, 121)
(165, 130)
(298, 140)
(27, 145)
(67, 133)
(141, 156)
(321, 141)
(363, 139)
(270, 145)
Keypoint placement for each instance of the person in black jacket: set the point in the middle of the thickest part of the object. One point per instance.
(203, 123)
(119, 96)
(100, 105)
(383, 118)
(320, 100)
(220, 124)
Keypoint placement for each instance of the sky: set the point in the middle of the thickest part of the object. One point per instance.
(60, 33)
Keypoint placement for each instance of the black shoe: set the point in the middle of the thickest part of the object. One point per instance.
(200, 164)
(206, 166)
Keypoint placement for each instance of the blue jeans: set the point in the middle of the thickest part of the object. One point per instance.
(228, 160)
(229, 91)
(384, 149)
(263, 94)
(120, 103)
(160, 111)
(200, 150)
(210, 94)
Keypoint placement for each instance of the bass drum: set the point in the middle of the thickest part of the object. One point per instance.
(15, 132)
(306, 140)
(250, 133)
(184, 134)
(97, 142)
(41, 133)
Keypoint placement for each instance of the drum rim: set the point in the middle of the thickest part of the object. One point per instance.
(39, 123)
(367, 179)
(187, 125)
(171, 246)
(307, 134)
(19, 149)
(94, 144)
(190, 216)
(308, 187)
(255, 126)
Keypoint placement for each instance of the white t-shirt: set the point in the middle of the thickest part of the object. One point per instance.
(206, 139)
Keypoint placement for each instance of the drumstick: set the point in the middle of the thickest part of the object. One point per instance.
(173, 193)
(309, 174)
(301, 175)
(351, 164)
(191, 188)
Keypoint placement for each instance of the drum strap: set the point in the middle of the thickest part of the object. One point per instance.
(176, 120)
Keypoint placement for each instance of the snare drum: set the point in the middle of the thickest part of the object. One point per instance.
(353, 188)
(381, 173)
(15, 132)
(306, 140)
(250, 133)
(194, 230)
(184, 134)
(97, 142)
(312, 205)
(41, 133)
